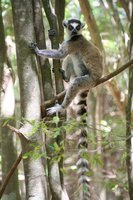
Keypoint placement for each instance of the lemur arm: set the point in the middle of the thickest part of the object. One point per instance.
(53, 53)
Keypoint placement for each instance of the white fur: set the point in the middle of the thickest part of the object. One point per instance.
(74, 24)
(76, 62)
(55, 109)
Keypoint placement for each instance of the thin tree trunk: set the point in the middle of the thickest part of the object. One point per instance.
(44, 65)
(2, 52)
(119, 27)
(30, 98)
(129, 122)
(91, 23)
(125, 5)
(54, 37)
(55, 173)
(6, 99)
(8, 154)
(59, 11)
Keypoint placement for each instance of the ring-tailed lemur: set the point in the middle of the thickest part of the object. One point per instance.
(84, 65)
(87, 61)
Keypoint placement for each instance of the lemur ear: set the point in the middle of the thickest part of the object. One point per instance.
(82, 25)
(65, 23)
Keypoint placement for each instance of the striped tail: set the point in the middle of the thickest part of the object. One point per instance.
(82, 164)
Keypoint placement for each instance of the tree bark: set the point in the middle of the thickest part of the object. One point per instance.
(30, 97)
(119, 27)
(129, 117)
(54, 37)
(59, 11)
(44, 65)
(6, 98)
(55, 168)
(91, 23)
(125, 5)
(12, 189)
(2, 52)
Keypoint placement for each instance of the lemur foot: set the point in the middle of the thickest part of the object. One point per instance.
(55, 109)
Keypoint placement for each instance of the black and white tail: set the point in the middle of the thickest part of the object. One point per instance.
(78, 108)
(82, 163)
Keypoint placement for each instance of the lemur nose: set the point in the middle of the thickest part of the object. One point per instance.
(74, 31)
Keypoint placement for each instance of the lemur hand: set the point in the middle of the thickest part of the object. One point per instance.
(33, 46)
(55, 109)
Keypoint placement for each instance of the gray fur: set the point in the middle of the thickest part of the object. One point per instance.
(86, 58)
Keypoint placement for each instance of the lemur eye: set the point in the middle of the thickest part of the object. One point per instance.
(78, 27)
(70, 27)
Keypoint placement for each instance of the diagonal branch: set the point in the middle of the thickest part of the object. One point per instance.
(9, 175)
(100, 81)
(15, 164)
(115, 73)
(18, 132)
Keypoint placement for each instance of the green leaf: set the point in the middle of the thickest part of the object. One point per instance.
(56, 119)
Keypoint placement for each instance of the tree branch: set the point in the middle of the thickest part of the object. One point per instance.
(19, 133)
(15, 164)
(9, 175)
(100, 81)
(115, 73)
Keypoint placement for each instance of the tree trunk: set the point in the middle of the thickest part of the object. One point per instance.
(59, 11)
(8, 154)
(55, 173)
(54, 37)
(119, 27)
(91, 23)
(36, 187)
(129, 122)
(44, 65)
(125, 5)
(2, 52)
(6, 98)
(8, 157)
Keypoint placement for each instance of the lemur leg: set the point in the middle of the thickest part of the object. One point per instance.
(78, 84)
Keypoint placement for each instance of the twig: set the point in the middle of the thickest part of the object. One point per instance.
(19, 133)
(9, 175)
(100, 81)
(14, 129)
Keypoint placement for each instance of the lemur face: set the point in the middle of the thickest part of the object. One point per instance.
(73, 27)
